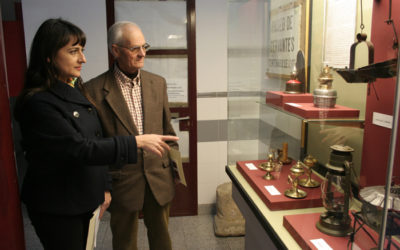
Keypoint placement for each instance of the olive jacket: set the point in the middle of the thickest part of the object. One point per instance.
(129, 181)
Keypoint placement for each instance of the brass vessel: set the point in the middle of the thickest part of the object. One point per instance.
(297, 170)
(309, 161)
(324, 95)
(268, 166)
(294, 86)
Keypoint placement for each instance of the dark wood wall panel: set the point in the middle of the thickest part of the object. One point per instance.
(11, 226)
(15, 55)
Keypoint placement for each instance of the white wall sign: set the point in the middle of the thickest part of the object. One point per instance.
(339, 32)
(284, 40)
(177, 90)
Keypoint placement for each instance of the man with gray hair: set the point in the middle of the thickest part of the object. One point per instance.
(131, 101)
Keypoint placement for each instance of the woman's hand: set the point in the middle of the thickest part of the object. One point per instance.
(154, 143)
(106, 203)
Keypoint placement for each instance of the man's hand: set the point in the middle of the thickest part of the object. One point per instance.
(106, 203)
(154, 143)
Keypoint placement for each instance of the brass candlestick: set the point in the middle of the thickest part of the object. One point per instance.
(297, 170)
(309, 161)
(269, 167)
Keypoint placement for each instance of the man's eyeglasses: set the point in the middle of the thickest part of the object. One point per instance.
(136, 49)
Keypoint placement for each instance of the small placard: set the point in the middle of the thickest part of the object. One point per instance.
(382, 120)
(355, 247)
(272, 190)
(293, 104)
(321, 244)
(251, 166)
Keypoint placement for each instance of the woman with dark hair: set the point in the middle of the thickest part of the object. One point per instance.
(67, 177)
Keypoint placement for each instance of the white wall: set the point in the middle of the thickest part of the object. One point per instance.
(89, 15)
(211, 44)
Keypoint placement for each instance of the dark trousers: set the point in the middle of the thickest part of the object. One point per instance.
(61, 232)
(124, 225)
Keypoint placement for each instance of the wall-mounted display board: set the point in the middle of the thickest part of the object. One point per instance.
(287, 34)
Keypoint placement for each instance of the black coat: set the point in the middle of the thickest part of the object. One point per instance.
(66, 153)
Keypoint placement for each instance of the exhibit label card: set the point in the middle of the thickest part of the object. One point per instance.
(293, 104)
(382, 120)
(321, 244)
(251, 166)
(272, 190)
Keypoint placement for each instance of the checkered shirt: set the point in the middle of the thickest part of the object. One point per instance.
(132, 92)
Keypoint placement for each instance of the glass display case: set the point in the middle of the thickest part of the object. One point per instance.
(285, 96)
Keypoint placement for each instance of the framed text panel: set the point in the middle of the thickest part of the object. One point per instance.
(287, 37)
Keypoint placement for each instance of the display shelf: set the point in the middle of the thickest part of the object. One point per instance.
(285, 121)
(278, 202)
(302, 105)
(279, 98)
(331, 120)
(308, 110)
(263, 226)
(302, 228)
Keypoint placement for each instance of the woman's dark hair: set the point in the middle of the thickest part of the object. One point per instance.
(52, 35)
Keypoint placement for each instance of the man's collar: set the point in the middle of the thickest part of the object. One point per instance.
(127, 77)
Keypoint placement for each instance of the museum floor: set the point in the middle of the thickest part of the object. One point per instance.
(187, 233)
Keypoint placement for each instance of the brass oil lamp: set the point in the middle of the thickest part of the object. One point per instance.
(268, 166)
(309, 161)
(296, 170)
(324, 95)
(336, 193)
(294, 86)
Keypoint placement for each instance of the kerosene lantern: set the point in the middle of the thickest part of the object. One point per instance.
(336, 193)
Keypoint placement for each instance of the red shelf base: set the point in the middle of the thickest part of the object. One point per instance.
(278, 202)
(308, 110)
(279, 98)
(303, 230)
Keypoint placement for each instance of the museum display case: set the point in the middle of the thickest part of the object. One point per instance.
(312, 122)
